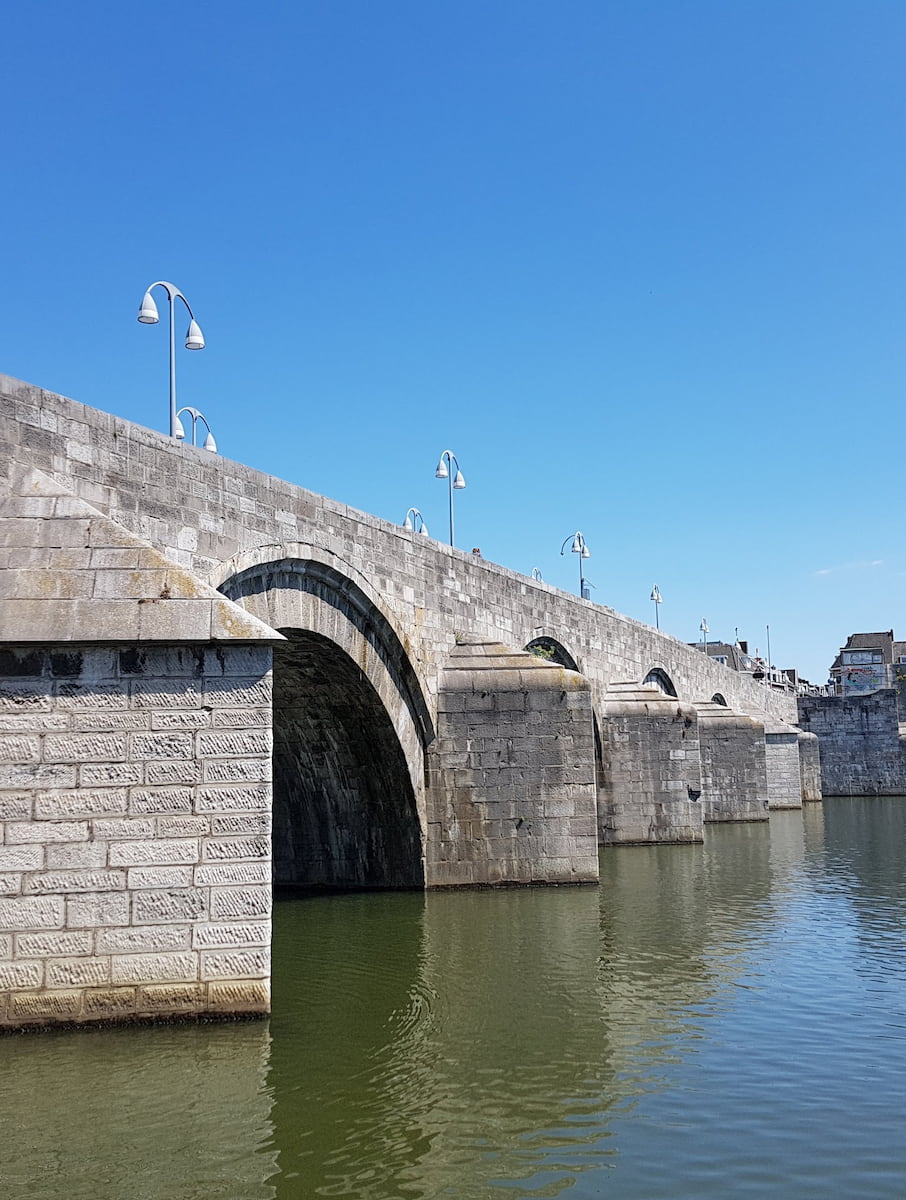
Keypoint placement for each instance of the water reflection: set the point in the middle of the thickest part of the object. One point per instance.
(728, 1018)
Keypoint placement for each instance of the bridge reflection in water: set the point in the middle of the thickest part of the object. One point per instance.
(718, 1019)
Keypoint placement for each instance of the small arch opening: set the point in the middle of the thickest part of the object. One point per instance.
(717, 698)
(552, 651)
(662, 680)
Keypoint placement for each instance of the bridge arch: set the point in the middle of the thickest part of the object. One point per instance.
(351, 724)
(659, 677)
(718, 698)
(553, 650)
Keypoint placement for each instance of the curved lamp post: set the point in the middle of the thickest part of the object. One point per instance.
(579, 547)
(195, 415)
(148, 315)
(457, 482)
(415, 520)
(658, 601)
(537, 576)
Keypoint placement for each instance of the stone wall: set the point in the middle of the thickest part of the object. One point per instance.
(650, 768)
(810, 767)
(218, 518)
(862, 751)
(734, 772)
(781, 746)
(135, 877)
(511, 796)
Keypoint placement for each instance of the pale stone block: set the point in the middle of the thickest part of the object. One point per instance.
(33, 722)
(19, 749)
(110, 1003)
(241, 718)
(240, 770)
(239, 743)
(251, 996)
(119, 830)
(154, 852)
(240, 902)
(81, 802)
(45, 1006)
(242, 823)
(234, 964)
(18, 832)
(21, 975)
(16, 806)
(146, 801)
(174, 693)
(224, 849)
(78, 972)
(168, 906)
(6, 945)
(54, 945)
(37, 775)
(112, 721)
(238, 692)
(189, 718)
(173, 771)
(154, 968)
(223, 874)
(99, 775)
(158, 877)
(143, 939)
(183, 826)
(31, 912)
(21, 858)
(84, 697)
(44, 883)
(165, 744)
(232, 799)
(76, 854)
(230, 934)
(171, 997)
(91, 911)
(85, 747)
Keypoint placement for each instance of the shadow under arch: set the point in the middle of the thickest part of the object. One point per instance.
(351, 724)
(659, 677)
(551, 650)
(717, 698)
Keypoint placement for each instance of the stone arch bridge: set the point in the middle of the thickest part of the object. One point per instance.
(194, 654)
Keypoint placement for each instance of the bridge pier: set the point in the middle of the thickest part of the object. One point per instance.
(734, 772)
(511, 776)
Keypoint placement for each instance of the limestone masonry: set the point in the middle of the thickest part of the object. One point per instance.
(195, 657)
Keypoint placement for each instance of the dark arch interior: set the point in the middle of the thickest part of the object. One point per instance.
(344, 811)
(660, 679)
(717, 698)
(551, 650)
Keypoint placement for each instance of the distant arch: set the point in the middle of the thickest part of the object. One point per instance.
(717, 698)
(659, 677)
(553, 651)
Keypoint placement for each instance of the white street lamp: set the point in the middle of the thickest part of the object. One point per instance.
(705, 631)
(457, 482)
(148, 315)
(658, 601)
(415, 521)
(579, 547)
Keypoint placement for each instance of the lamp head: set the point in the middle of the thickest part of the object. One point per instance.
(458, 482)
(178, 432)
(424, 529)
(194, 336)
(209, 443)
(441, 472)
(586, 553)
(577, 544)
(147, 314)
(407, 524)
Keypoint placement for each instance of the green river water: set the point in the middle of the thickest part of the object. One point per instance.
(713, 1021)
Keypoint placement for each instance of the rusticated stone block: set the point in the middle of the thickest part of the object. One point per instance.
(146, 801)
(98, 910)
(31, 912)
(234, 964)
(85, 802)
(168, 906)
(232, 799)
(109, 1003)
(45, 883)
(161, 968)
(15, 975)
(77, 972)
(231, 934)
(156, 851)
(28, 1007)
(53, 945)
(144, 939)
(221, 874)
(239, 903)
(251, 996)
(171, 998)
(138, 878)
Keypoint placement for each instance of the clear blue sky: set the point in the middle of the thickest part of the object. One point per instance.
(640, 265)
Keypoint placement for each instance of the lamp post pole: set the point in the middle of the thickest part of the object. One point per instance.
(148, 315)
(705, 631)
(456, 481)
(658, 601)
(579, 547)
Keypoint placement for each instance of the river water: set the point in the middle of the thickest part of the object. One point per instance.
(719, 1020)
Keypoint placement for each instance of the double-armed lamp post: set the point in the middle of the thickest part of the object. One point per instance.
(658, 600)
(579, 547)
(148, 315)
(415, 521)
(445, 471)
